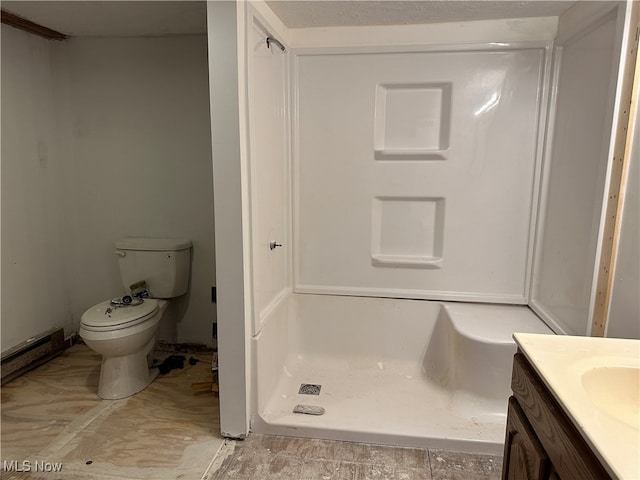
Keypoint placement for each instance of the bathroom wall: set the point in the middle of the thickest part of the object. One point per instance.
(35, 292)
(137, 151)
(102, 138)
(624, 312)
(575, 166)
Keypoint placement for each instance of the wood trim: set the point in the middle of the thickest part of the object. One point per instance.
(31, 27)
(613, 199)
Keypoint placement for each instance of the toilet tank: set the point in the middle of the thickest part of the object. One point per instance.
(164, 263)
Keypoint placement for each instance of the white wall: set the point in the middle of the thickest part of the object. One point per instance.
(138, 158)
(102, 138)
(227, 73)
(624, 312)
(586, 59)
(35, 292)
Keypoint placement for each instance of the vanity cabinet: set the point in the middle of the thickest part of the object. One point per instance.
(541, 441)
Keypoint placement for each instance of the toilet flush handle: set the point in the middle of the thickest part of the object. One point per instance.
(120, 253)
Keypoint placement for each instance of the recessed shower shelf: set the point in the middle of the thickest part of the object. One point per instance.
(412, 121)
(406, 261)
(398, 154)
(407, 232)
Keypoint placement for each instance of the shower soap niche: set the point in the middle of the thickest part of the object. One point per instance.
(412, 121)
(407, 232)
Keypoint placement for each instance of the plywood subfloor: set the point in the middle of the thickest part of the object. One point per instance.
(52, 414)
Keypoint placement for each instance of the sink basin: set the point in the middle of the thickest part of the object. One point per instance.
(616, 391)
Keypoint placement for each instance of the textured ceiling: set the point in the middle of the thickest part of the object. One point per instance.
(135, 18)
(314, 13)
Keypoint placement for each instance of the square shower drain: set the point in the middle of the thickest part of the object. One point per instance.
(309, 389)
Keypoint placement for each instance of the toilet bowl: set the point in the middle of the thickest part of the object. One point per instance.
(125, 336)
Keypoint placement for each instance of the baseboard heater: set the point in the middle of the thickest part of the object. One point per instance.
(31, 353)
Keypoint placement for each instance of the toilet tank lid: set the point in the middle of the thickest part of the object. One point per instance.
(153, 244)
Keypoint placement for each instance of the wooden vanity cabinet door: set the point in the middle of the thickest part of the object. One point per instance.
(554, 475)
(568, 452)
(524, 457)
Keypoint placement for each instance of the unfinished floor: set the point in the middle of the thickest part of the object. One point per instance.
(52, 414)
(271, 457)
(52, 418)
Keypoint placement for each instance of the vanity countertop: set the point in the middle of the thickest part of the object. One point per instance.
(597, 382)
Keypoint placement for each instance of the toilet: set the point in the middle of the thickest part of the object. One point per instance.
(123, 330)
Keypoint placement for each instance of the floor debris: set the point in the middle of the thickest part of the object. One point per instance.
(172, 362)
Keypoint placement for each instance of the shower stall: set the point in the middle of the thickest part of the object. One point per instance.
(406, 198)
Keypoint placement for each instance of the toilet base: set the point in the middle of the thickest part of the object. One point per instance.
(121, 377)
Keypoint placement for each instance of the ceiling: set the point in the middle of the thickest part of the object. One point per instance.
(314, 13)
(136, 18)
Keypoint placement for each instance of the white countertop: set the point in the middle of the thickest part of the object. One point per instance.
(596, 381)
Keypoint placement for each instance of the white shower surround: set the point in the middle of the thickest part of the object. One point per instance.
(395, 371)
(392, 369)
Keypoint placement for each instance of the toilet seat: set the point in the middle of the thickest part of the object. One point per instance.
(97, 319)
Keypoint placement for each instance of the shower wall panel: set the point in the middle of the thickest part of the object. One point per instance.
(269, 173)
(585, 62)
(415, 172)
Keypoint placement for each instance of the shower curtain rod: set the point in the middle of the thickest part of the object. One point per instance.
(271, 40)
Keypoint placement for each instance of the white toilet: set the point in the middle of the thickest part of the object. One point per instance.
(123, 330)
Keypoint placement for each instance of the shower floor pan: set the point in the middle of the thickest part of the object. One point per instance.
(438, 377)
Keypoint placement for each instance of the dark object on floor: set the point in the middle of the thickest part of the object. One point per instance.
(193, 361)
(171, 363)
